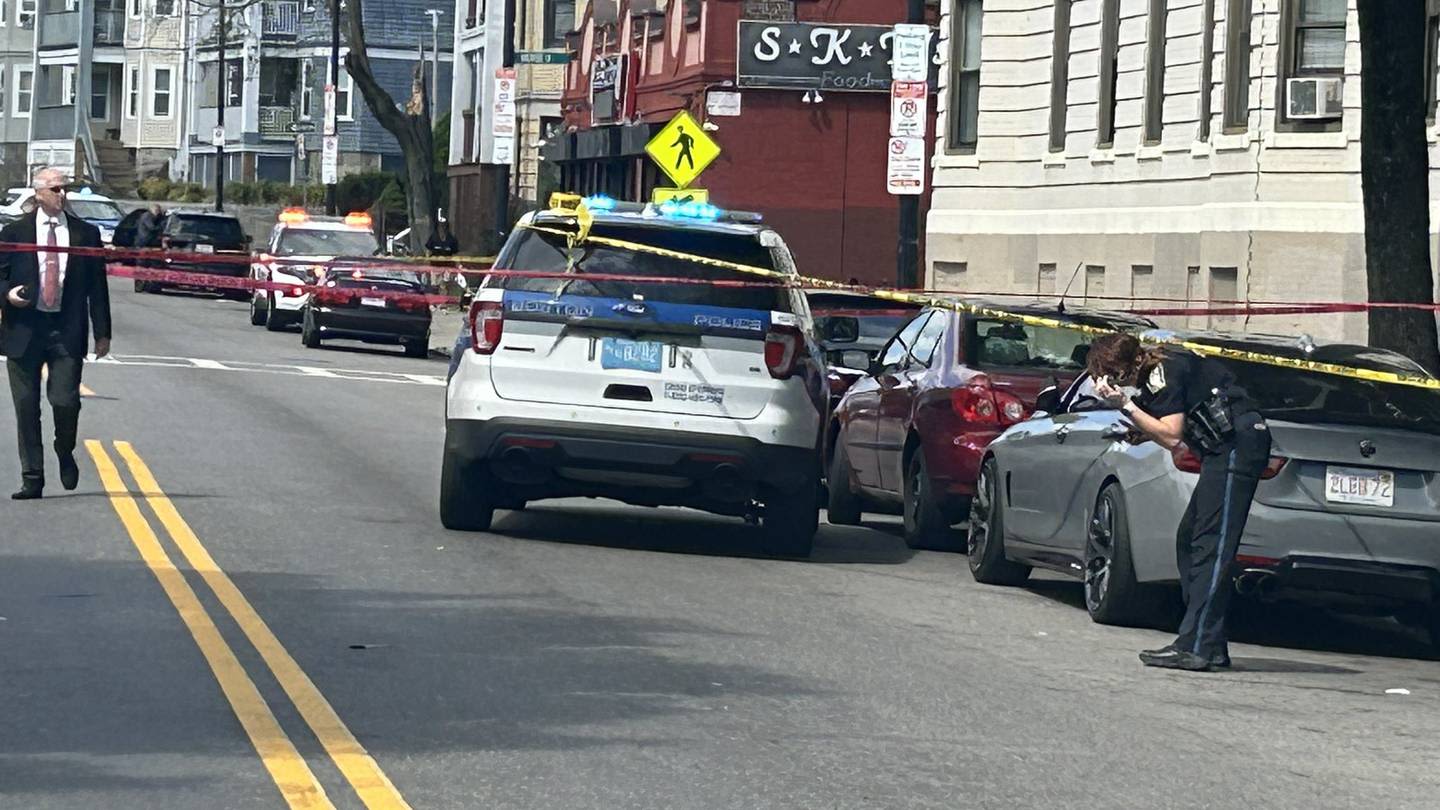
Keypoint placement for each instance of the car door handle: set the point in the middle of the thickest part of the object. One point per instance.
(1115, 431)
(1061, 433)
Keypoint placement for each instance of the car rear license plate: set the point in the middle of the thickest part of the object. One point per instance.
(1359, 486)
(372, 302)
(634, 355)
(204, 248)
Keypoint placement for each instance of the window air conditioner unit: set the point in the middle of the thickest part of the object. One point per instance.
(1314, 98)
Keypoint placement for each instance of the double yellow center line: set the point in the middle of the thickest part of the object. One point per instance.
(292, 775)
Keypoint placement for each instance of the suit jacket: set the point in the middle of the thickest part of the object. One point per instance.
(84, 299)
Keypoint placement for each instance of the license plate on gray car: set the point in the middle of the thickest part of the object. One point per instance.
(1360, 486)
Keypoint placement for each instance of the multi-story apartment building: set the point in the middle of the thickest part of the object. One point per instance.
(277, 65)
(17, 87)
(1194, 150)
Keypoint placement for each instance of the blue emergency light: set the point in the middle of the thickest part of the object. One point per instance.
(690, 210)
(600, 202)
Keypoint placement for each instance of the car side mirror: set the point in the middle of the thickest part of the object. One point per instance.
(1048, 400)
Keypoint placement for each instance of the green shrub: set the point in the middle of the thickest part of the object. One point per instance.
(194, 193)
(154, 188)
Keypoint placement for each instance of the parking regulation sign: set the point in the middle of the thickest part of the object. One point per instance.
(908, 108)
(905, 168)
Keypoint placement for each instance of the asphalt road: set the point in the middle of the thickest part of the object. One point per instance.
(283, 585)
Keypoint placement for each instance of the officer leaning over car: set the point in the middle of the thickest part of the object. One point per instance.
(1186, 397)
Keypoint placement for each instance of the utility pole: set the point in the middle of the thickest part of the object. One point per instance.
(434, 63)
(907, 264)
(502, 171)
(223, 93)
(332, 206)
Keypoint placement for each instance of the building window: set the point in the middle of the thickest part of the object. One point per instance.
(559, 21)
(1224, 292)
(164, 8)
(963, 113)
(160, 101)
(1432, 56)
(235, 83)
(4, 18)
(1155, 72)
(26, 17)
(306, 89)
(1142, 285)
(135, 8)
(1060, 77)
(343, 110)
(24, 90)
(3, 95)
(67, 85)
(1317, 37)
(1045, 279)
(132, 99)
(99, 94)
(1109, 73)
(1237, 65)
(1207, 68)
(472, 14)
(1094, 280)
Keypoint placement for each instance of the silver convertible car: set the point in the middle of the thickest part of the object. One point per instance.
(1347, 514)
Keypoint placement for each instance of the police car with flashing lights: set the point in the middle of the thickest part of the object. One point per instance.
(599, 382)
(300, 250)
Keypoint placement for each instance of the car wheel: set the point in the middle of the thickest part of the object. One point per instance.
(985, 545)
(141, 286)
(843, 506)
(1112, 596)
(789, 521)
(274, 320)
(467, 495)
(1433, 624)
(258, 314)
(417, 348)
(925, 524)
(309, 332)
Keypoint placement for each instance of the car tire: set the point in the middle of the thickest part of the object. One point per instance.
(142, 286)
(1112, 595)
(925, 524)
(467, 495)
(1432, 622)
(417, 348)
(258, 314)
(985, 543)
(309, 332)
(843, 506)
(275, 321)
(790, 521)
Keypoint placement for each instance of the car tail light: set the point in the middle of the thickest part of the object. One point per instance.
(783, 345)
(297, 291)
(1186, 461)
(1272, 469)
(979, 404)
(487, 324)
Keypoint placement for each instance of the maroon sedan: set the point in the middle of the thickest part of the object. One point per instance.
(909, 437)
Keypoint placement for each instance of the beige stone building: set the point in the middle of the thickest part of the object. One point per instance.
(1194, 150)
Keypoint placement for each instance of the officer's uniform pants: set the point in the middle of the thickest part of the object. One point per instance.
(1209, 534)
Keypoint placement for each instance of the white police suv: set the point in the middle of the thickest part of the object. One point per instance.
(645, 378)
(300, 250)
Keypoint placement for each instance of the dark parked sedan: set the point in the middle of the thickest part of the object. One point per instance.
(369, 305)
(195, 232)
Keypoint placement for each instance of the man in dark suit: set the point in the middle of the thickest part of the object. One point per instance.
(48, 301)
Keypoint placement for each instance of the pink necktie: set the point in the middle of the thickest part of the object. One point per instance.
(50, 283)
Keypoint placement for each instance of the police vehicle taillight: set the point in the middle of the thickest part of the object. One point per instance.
(487, 324)
(783, 345)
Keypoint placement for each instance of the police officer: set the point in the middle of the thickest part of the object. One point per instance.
(1186, 397)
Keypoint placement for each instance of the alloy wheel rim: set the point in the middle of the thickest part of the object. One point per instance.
(979, 534)
(1099, 553)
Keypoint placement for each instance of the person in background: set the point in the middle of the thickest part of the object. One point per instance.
(50, 300)
(442, 241)
(147, 230)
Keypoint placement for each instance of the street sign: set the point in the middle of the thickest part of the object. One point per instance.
(217, 136)
(682, 149)
(330, 159)
(905, 168)
(301, 126)
(680, 195)
(722, 103)
(541, 57)
(502, 121)
(300, 145)
(908, 108)
(329, 109)
(910, 53)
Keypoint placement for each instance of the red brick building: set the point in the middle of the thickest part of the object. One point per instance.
(808, 146)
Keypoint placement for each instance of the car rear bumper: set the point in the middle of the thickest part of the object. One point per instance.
(955, 463)
(640, 465)
(368, 324)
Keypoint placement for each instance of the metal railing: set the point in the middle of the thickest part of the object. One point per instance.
(276, 121)
(280, 19)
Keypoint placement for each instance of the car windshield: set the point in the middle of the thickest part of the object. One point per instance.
(300, 242)
(12, 197)
(1305, 396)
(95, 209)
(544, 252)
(216, 229)
(878, 319)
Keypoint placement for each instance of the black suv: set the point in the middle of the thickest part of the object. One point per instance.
(194, 232)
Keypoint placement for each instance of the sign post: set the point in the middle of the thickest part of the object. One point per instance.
(910, 66)
(502, 121)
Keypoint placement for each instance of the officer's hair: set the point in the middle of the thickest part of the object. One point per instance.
(1121, 357)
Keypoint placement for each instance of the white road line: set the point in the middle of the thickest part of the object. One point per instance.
(203, 363)
(310, 371)
(200, 362)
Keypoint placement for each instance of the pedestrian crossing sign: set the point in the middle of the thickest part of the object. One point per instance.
(682, 149)
(680, 195)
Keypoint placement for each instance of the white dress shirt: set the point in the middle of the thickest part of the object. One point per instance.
(42, 240)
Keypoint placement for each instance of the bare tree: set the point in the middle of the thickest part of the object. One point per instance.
(410, 126)
(1394, 171)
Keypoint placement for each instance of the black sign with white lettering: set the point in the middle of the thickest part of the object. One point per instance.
(809, 56)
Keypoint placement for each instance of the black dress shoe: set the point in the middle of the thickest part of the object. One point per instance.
(27, 493)
(69, 471)
(1220, 661)
(1175, 659)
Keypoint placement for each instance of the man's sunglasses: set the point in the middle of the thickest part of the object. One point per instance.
(56, 189)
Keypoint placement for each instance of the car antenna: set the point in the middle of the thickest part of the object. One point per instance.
(1061, 306)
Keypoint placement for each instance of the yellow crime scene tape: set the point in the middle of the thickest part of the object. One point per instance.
(574, 205)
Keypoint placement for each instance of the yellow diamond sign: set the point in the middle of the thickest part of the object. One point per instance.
(682, 149)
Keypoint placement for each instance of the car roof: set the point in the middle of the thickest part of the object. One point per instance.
(1300, 347)
(322, 225)
(1085, 316)
(641, 220)
(191, 212)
